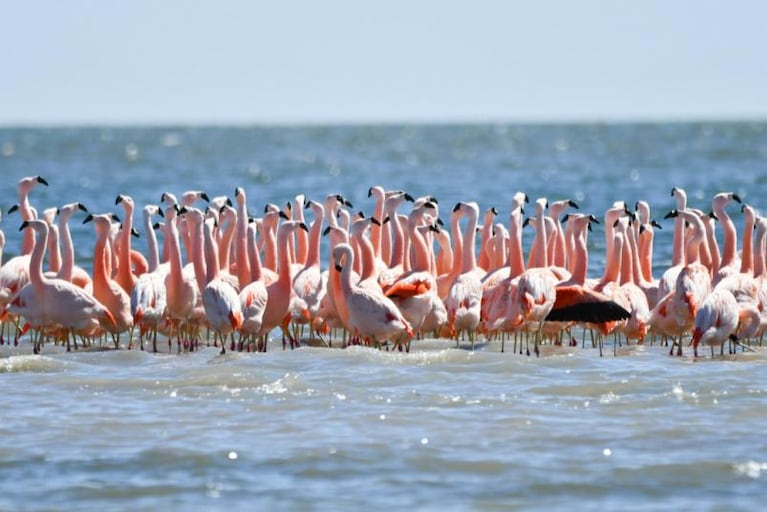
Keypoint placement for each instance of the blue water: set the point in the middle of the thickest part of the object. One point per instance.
(348, 429)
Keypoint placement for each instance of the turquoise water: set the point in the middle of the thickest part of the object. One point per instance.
(345, 429)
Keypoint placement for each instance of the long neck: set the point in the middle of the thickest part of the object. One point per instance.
(345, 280)
(636, 264)
(627, 264)
(153, 255)
(612, 268)
(197, 254)
(747, 254)
(376, 231)
(516, 255)
(54, 252)
(225, 244)
(255, 258)
(560, 249)
(101, 270)
(36, 276)
(302, 237)
(455, 229)
(367, 253)
(25, 209)
(468, 257)
(284, 257)
(313, 254)
(421, 261)
(445, 260)
(241, 242)
(124, 274)
(580, 260)
(270, 248)
(484, 260)
(645, 250)
(759, 259)
(68, 253)
(211, 254)
(174, 250)
(730, 237)
(398, 247)
(541, 243)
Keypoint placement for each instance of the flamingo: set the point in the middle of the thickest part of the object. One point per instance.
(484, 260)
(219, 297)
(148, 296)
(277, 312)
(69, 271)
(729, 264)
(464, 300)
(181, 289)
(414, 291)
(715, 320)
(14, 274)
(668, 279)
(105, 289)
(556, 209)
(56, 302)
(240, 241)
(125, 276)
(372, 316)
(253, 296)
(693, 283)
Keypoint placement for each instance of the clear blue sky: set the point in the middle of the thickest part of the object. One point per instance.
(287, 61)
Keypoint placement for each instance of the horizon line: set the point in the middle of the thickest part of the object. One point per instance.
(242, 123)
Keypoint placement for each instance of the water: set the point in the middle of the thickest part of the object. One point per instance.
(345, 429)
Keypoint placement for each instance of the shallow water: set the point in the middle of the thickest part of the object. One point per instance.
(439, 427)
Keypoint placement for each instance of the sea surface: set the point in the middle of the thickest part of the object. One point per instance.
(442, 427)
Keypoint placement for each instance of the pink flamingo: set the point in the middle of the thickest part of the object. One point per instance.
(277, 312)
(182, 292)
(148, 297)
(372, 316)
(55, 302)
(125, 276)
(484, 261)
(414, 291)
(668, 279)
(693, 283)
(240, 240)
(69, 271)
(105, 289)
(14, 274)
(715, 320)
(219, 297)
(253, 296)
(729, 264)
(556, 209)
(463, 302)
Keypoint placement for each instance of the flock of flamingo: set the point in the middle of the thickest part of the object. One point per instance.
(390, 277)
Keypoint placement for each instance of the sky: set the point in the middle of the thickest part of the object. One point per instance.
(356, 61)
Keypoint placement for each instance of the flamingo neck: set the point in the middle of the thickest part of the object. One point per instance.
(516, 256)
(747, 254)
(36, 276)
(255, 258)
(197, 254)
(730, 237)
(468, 256)
(225, 244)
(241, 244)
(211, 254)
(54, 251)
(151, 242)
(580, 260)
(313, 251)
